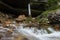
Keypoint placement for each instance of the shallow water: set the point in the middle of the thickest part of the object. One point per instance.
(35, 34)
(32, 33)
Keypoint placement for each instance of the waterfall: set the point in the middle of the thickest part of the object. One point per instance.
(36, 34)
(29, 9)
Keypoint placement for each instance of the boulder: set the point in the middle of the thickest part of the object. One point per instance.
(20, 18)
(54, 17)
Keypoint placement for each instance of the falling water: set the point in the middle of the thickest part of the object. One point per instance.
(29, 9)
(35, 34)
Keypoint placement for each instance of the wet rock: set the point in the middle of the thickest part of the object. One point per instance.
(32, 25)
(1, 36)
(6, 33)
(20, 37)
(20, 18)
(7, 38)
(57, 27)
(54, 17)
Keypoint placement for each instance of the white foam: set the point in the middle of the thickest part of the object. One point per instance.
(35, 34)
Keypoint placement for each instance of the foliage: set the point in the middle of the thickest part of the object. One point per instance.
(43, 18)
(29, 19)
(53, 4)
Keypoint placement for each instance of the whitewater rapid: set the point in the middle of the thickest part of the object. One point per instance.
(35, 34)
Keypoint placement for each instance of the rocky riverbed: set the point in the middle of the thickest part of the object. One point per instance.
(27, 28)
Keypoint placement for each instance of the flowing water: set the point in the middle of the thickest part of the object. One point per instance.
(29, 9)
(35, 34)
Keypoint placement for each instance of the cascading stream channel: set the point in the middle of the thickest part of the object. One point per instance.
(35, 34)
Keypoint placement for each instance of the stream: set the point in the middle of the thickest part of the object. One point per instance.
(35, 34)
(32, 33)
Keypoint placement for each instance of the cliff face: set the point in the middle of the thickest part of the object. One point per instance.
(12, 7)
(18, 7)
(16, 3)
